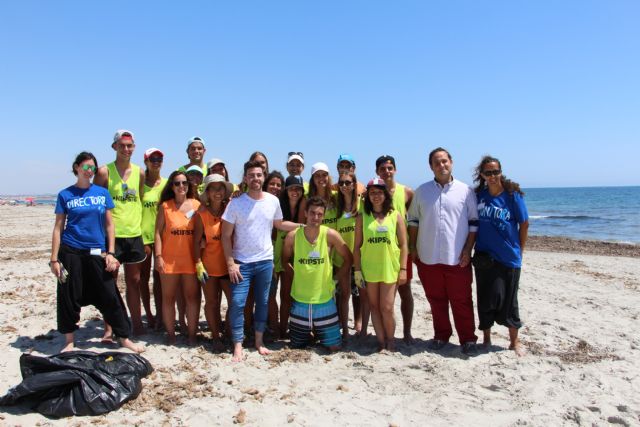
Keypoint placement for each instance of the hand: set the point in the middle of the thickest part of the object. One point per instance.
(56, 270)
(402, 277)
(201, 272)
(111, 263)
(358, 278)
(465, 258)
(159, 264)
(234, 273)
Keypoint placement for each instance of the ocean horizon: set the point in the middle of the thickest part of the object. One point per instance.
(591, 213)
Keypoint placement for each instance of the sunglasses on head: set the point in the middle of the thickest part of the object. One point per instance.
(296, 153)
(180, 183)
(345, 183)
(88, 167)
(494, 172)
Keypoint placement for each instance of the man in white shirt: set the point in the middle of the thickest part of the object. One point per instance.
(246, 239)
(443, 220)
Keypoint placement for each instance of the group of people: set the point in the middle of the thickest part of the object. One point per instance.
(322, 243)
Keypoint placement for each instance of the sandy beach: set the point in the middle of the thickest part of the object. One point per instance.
(580, 302)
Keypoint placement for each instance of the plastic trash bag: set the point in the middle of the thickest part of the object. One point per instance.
(78, 382)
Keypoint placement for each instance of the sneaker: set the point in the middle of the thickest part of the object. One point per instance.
(436, 344)
(470, 348)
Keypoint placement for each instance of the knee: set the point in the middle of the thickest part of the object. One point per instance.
(387, 309)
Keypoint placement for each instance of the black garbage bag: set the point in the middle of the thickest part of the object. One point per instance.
(78, 382)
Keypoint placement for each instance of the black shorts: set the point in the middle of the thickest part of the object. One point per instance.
(497, 289)
(130, 250)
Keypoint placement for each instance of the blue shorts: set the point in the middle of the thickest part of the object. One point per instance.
(322, 319)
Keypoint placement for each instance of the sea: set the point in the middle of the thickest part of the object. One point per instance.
(592, 213)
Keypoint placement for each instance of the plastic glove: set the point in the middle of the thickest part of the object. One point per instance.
(201, 273)
(358, 278)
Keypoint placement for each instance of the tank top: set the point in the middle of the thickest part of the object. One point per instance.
(213, 254)
(277, 251)
(150, 200)
(331, 213)
(127, 215)
(312, 278)
(346, 226)
(380, 254)
(177, 239)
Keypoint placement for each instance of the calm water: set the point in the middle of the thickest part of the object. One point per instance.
(593, 213)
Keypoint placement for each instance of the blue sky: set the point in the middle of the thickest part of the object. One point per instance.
(551, 88)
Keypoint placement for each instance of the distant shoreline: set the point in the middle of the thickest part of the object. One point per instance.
(580, 246)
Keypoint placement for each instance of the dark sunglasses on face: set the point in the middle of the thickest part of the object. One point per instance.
(180, 183)
(87, 167)
(155, 159)
(345, 183)
(297, 153)
(494, 172)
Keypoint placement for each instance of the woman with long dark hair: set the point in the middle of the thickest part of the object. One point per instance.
(174, 253)
(500, 241)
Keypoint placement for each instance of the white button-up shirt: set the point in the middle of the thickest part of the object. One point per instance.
(444, 216)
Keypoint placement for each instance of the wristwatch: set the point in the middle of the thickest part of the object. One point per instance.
(113, 254)
(53, 262)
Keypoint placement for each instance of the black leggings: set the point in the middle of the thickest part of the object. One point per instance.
(88, 284)
(497, 288)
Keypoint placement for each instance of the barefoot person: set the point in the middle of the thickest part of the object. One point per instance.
(174, 255)
(211, 265)
(320, 186)
(443, 220)
(125, 182)
(402, 196)
(380, 258)
(81, 261)
(502, 235)
(314, 309)
(246, 238)
(274, 185)
(153, 185)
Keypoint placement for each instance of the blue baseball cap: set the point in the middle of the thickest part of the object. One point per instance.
(346, 158)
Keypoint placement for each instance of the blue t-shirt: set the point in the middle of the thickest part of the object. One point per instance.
(86, 211)
(498, 230)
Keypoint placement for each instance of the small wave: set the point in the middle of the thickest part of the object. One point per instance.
(573, 217)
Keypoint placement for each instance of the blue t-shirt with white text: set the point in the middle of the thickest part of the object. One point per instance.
(498, 229)
(85, 209)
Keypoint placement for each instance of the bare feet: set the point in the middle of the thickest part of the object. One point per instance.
(391, 344)
(237, 353)
(151, 322)
(192, 341)
(518, 348)
(127, 343)
(381, 346)
(68, 347)
(408, 339)
(262, 350)
(345, 334)
(107, 337)
(486, 342)
(171, 339)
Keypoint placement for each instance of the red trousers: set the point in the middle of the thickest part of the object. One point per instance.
(444, 284)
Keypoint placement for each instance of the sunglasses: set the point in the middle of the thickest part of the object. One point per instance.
(494, 172)
(87, 167)
(296, 153)
(155, 159)
(345, 183)
(180, 183)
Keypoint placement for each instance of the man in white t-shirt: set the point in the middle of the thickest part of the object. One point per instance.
(246, 238)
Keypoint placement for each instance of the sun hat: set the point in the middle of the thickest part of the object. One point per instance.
(151, 151)
(319, 167)
(210, 180)
(294, 181)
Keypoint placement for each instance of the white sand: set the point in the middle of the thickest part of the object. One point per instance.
(565, 299)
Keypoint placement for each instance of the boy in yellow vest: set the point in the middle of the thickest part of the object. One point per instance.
(314, 308)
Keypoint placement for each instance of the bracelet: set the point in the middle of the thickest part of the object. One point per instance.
(112, 254)
(55, 261)
(403, 269)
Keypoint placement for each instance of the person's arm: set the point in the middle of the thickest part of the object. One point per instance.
(413, 222)
(102, 177)
(471, 205)
(285, 225)
(287, 248)
(302, 211)
(524, 233)
(401, 233)
(111, 263)
(227, 247)
(157, 244)
(198, 231)
(336, 241)
(55, 244)
(408, 197)
(141, 189)
(357, 263)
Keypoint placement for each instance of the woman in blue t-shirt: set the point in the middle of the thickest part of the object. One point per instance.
(500, 241)
(79, 256)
